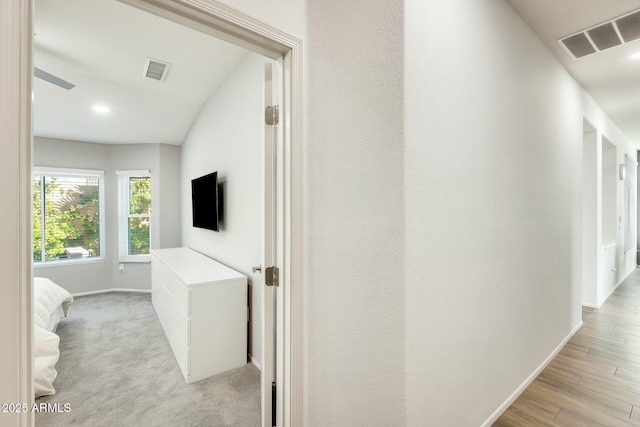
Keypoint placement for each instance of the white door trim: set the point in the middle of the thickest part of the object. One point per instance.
(16, 69)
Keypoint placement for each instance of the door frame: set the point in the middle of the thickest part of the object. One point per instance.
(16, 75)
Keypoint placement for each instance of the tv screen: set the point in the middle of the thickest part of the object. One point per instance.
(204, 197)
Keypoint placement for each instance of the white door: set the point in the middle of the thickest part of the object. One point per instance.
(273, 255)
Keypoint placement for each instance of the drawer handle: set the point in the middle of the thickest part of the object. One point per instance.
(258, 268)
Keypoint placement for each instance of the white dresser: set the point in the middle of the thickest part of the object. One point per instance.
(202, 306)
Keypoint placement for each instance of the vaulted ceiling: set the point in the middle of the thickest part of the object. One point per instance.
(101, 46)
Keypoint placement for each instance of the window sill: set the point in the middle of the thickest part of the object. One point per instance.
(144, 259)
(79, 261)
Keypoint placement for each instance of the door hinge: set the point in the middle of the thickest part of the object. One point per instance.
(272, 115)
(272, 276)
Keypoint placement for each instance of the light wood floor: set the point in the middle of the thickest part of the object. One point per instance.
(595, 379)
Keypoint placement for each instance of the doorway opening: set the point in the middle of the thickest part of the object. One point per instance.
(234, 27)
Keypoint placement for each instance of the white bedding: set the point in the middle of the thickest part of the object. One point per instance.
(45, 356)
(50, 304)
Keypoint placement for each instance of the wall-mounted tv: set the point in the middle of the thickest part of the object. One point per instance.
(204, 199)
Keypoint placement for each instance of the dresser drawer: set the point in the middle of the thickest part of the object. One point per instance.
(181, 351)
(178, 291)
(180, 321)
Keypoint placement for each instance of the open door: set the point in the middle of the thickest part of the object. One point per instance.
(273, 221)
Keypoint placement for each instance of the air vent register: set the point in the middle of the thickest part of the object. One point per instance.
(156, 70)
(616, 32)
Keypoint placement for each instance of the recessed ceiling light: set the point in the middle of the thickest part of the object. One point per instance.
(100, 109)
(635, 55)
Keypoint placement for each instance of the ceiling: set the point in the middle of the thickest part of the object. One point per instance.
(611, 76)
(101, 47)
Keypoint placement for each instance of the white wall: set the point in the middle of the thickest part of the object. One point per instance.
(590, 216)
(613, 264)
(228, 137)
(285, 15)
(80, 278)
(609, 193)
(637, 217)
(493, 155)
(385, 267)
(354, 332)
(607, 264)
(166, 187)
(625, 262)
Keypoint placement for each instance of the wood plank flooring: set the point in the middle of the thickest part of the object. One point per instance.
(595, 379)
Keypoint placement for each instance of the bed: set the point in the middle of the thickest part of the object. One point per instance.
(50, 305)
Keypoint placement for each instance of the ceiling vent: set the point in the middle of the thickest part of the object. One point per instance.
(629, 26)
(616, 32)
(579, 45)
(605, 36)
(156, 70)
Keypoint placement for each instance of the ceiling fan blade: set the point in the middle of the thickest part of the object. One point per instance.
(41, 74)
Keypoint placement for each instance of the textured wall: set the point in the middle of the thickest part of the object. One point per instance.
(285, 15)
(354, 214)
(493, 180)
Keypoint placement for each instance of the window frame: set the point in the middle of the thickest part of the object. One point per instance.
(47, 171)
(124, 214)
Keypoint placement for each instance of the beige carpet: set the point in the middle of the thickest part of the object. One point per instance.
(116, 369)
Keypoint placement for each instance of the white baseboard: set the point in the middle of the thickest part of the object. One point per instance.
(496, 414)
(616, 287)
(144, 291)
(104, 291)
(586, 304)
(597, 306)
(255, 362)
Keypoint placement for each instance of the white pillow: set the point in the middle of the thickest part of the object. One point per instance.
(47, 298)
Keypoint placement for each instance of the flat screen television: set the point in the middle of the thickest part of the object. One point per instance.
(204, 199)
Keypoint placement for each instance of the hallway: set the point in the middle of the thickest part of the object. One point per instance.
(595, 379)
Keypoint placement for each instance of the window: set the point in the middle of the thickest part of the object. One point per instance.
(134, 201)
(68, 212)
